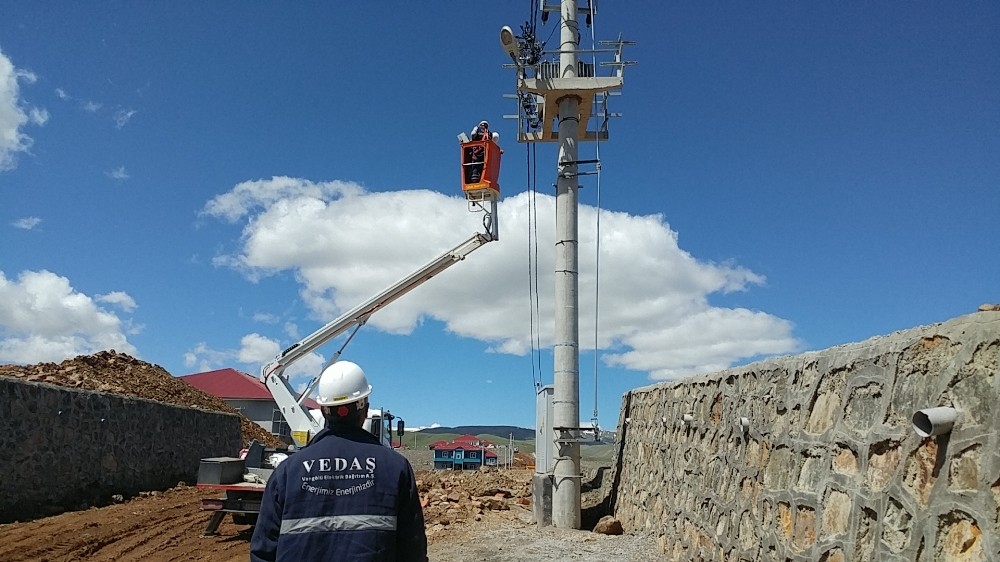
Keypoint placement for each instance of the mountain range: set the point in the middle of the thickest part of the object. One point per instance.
(520, 433)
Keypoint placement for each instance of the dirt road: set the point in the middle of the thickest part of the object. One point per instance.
(469, 517)
(156, 528)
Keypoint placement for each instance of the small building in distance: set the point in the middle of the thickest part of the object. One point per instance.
(466, 452)
(247, 395)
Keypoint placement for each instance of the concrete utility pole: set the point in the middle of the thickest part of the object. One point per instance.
(566, 373)
(557, 100)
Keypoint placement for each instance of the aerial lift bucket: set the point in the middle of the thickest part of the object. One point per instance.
(481, 170)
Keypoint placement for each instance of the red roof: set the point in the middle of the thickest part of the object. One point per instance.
(456, 446)
(472, 439)
(233, 385)
(464, 447)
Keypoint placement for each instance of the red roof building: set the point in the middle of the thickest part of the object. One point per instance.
(464, 447)
(472, 440)
(230, 384)
(248, 395)
(466, 452)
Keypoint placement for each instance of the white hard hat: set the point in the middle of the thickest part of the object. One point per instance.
(342, 383)
(484, 122)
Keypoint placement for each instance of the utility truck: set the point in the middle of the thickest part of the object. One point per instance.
(242, 479)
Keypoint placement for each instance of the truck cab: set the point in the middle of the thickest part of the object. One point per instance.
(379, 424)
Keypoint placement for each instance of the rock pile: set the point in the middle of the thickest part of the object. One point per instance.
(454, 498)
(118, 373)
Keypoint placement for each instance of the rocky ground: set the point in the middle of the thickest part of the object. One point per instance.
(487, 516)
(481, 515)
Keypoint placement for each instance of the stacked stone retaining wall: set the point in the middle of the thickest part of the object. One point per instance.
(65, 448)
(829, 467)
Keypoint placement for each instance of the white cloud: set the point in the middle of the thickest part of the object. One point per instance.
(86, 105)
(344, 244)
(265, 318)
(719, 333)
(423, 427)
(26, 223)
(119, 299)
(118, 174)
(26, 76)
(203, 358)
(42, 319)
(256, 349)
(257, 195)
(14, 114)
(123, 116)
(38, 116)
(254, 352)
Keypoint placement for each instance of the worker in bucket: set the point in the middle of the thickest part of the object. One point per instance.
(482, 132)
(344, 496)
(476, 155)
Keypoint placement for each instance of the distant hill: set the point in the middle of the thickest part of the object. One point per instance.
(520, 433)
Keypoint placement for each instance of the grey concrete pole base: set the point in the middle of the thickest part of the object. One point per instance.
(541, 499)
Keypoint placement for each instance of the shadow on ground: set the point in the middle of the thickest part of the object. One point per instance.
(594, 505)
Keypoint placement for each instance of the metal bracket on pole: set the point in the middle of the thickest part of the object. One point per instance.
(562, 431)
(576, 163)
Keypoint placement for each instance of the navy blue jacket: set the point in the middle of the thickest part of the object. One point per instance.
(344, 496)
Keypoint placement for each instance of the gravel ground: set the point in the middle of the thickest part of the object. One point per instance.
(511, 533)
(522, 541)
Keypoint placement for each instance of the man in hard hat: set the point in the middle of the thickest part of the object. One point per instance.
(482, 132)
(476, 155)
(344, 496)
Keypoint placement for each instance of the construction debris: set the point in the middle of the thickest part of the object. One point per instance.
(458, 498)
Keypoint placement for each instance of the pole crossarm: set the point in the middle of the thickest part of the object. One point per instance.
(549, 91)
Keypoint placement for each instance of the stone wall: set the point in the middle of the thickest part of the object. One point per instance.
(830, 467)
(65, 448)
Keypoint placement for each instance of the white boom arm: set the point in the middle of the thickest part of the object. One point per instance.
(273, 374)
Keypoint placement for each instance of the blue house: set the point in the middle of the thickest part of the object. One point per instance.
(467, 452)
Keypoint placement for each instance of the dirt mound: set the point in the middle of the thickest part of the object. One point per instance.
(118, 373)
(524, 460)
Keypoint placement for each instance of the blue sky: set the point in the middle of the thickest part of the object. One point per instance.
(202, 184)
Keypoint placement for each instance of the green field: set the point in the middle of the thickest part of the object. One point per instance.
(420, 440)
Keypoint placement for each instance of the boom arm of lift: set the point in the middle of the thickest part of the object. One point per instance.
(273, 374)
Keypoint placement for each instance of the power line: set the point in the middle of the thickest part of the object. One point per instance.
(534, 310)
(597, 251)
